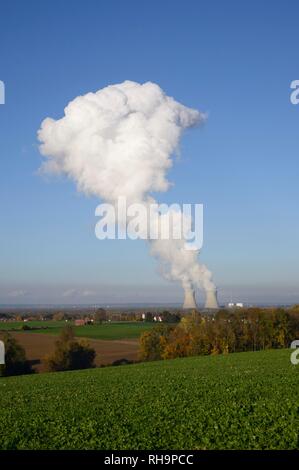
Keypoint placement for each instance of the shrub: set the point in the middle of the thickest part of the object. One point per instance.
(70, 354)
(122, 362)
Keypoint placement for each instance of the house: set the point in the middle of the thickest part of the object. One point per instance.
(238, 305)
(158, 318)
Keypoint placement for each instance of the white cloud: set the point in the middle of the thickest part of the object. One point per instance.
(18, 293)
(120, 142)
(70, 293)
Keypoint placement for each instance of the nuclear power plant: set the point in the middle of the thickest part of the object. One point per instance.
(190, 302)
(211, 299)
(159, 122)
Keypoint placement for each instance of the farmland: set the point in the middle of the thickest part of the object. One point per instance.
(17, 325)
(111, 341)
(37, 346)
(236, 401)
(108, 331)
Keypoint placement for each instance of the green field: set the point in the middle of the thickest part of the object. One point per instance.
(238, 401)
(109, 331)
(17, 325)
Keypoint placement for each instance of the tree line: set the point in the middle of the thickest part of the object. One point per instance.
(225, 332)
(249, 329)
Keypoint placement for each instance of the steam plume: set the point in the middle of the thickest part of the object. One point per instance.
(119, 142)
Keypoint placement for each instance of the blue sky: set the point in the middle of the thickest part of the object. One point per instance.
(231, 60)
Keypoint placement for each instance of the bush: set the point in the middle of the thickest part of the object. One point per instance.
(169, 317)
(16, 362)
(122, 362)
(70, 354)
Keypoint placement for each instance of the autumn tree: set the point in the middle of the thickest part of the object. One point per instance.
(152, 342)
(281, 325)
(58, 316)
(178, 344)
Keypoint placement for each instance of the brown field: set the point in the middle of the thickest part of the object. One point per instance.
(37, 346)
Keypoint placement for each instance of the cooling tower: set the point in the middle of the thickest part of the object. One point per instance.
(211, 299)
(189, 300)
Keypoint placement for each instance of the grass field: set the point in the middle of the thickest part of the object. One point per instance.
(109, 331)
(239, 401)
(17, 325)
